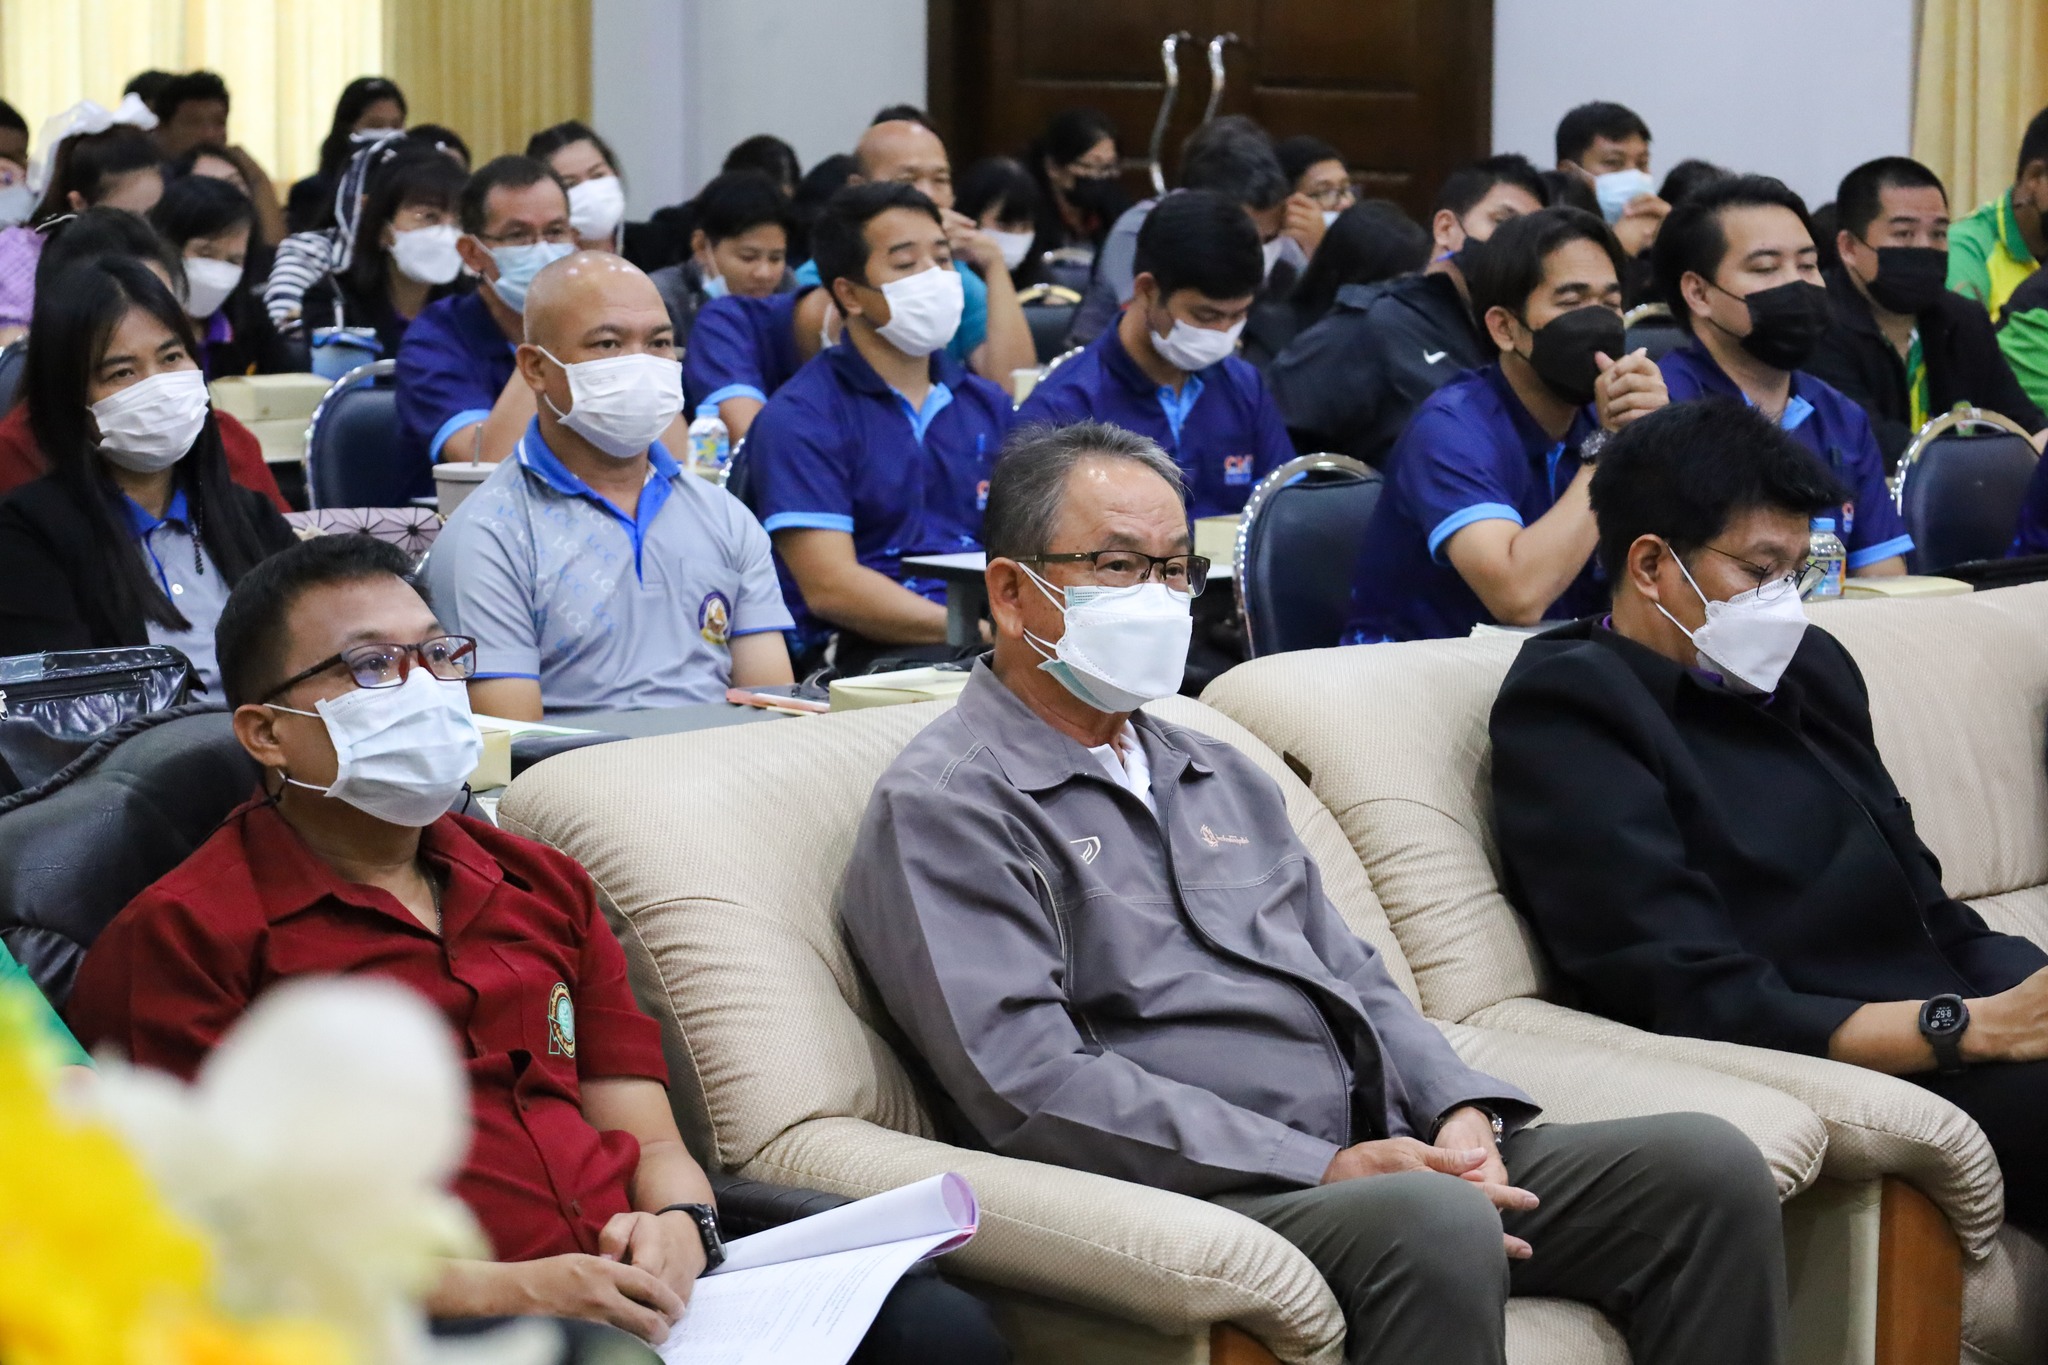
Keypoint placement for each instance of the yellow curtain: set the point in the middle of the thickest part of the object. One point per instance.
(496, 71)
(1982, 73)
(284, 61)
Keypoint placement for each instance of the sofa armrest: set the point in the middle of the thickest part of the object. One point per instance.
(1175, 1264)
(1584, 1083)
(1877, 1125)
(748, 1206)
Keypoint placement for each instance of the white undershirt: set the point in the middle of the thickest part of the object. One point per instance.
(1123, 759)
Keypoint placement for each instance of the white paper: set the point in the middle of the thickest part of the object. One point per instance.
(944, 1204)
(807, 1312)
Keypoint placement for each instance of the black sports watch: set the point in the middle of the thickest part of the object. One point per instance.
(1590, 448)
(706, 1219)
(1942, 1022)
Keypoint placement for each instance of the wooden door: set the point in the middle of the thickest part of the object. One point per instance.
(1401, 87)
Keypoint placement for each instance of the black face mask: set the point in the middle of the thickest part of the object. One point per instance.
(1561, 350)
(1909, 278)
(1102, 196)
(1786, 322)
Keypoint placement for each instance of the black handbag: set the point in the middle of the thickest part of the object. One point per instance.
(54, 706)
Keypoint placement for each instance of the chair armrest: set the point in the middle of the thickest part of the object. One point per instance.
(748, 1206)
(1584, 1083)
(1175, 1264)
(1877, 1125)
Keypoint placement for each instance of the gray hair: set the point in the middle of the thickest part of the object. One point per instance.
(1030, 480)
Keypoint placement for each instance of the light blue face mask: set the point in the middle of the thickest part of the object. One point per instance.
(1615, 189)
(714, 286)
(517, 265)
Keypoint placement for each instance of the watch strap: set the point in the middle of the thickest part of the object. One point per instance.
(706, 1219)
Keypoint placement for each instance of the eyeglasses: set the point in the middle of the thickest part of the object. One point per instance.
(554, 234)
(1768, 589)
(451, 658)
(1337, 197)
(1128, 568)
(1093, 170)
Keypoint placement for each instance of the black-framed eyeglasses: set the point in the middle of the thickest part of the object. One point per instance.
(451, 658)
(1128, 568)
(1801, 581)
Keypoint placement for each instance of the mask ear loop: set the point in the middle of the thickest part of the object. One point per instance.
(1704, 603)
(1046, 649)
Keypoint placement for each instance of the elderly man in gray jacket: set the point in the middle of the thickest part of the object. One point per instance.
(1102, 934)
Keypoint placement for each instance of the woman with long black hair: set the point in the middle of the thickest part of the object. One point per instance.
(368, 104)
(137, 533)
(404, 257)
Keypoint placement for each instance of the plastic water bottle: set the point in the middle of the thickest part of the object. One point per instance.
(1826, 550)
(710, 444)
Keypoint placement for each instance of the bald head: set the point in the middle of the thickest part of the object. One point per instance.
(585, 293)
(907, 153)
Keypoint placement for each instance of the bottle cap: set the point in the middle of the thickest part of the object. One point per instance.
(707, 409)
(1824, 524)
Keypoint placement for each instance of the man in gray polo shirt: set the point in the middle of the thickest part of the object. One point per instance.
(594, 571)
(1105, 939)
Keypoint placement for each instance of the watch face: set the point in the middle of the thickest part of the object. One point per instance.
(1943, 1016)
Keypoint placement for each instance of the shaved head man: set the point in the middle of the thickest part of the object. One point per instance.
(595, 572)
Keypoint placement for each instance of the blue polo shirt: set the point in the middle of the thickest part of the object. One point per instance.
(1471, 453)
(607, 612)
(973, 328)
(1222, 428)
(740, 348)
(837, 449)
(1823, 420)
(188, 576)
(454, 364)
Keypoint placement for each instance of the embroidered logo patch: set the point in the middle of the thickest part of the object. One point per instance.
(1237, 469)
(981, 496)
(1848, 519)
(714, 618)
(561, 1022)
(1091, 848)
(1215, 840)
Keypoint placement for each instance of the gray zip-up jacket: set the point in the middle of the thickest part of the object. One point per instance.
(1171, 1001)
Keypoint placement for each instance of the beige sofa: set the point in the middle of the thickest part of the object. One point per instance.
(717, 855)
(1393, 740)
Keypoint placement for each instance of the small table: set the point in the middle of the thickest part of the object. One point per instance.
(967, 590)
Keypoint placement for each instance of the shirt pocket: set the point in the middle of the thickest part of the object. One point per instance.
(538, 1013)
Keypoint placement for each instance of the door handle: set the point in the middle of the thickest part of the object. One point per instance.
(1169, 57)
(1216, 73)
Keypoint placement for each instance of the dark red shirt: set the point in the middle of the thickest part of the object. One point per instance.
(526, 972)
(21, 459)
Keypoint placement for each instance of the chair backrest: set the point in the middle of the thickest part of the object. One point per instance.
(766, 1019)
(1299, 536)
(76, 851)
(1045, 370)
(353, 455)
(1050, 320)
(1961, 492)
(13, 359)
(1651, 327)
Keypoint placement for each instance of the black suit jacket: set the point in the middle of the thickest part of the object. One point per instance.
(55, 594)
(1957, 344)
(1704, 863)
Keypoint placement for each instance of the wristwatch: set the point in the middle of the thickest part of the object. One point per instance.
(1590, 448)
(1500, 1127)
(1942, 1022)
(706, 1219)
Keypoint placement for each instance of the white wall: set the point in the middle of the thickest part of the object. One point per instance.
(1800, 89)
(675, 83)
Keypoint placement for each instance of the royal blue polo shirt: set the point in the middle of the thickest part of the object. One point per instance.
(837, 449)
(740, 348)
(1827, 423)
(1222, 428)
(1471, 453)
(454, 364)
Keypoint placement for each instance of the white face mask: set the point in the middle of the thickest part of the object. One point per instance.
(1015, 246)
(596, 206)
(1191, 348)
(1330, 216)
(427, 255)
(924, 310)
(207, 284)
(621, 403)
(149, 425)
(1122, 647)
(1749, 638)
(17, 202)
(403, 752)
(1616, 189)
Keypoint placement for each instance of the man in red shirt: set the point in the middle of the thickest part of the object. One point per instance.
(593, 1206)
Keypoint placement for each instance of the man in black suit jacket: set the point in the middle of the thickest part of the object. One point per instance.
(1693, 814)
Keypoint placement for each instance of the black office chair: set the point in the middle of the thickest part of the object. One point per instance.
(353, 454)
(1049, 311)
(1650, 326)
(1297, 541)
(13, 358)
(1070, 267)
(1960, 493)
(77, 848)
